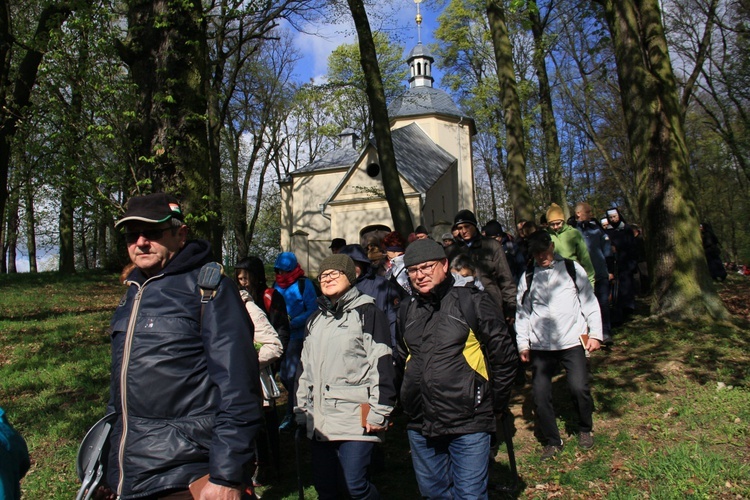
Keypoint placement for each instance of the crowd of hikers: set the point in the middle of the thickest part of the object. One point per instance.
(439, 329)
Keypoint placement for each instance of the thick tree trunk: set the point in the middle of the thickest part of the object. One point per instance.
(682, 287)
(394, 194)
(166, 52)
(555, 182)
(516, 172)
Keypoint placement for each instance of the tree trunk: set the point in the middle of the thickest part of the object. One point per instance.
(555, 182)
(394, 194)
(30, 225)
(516, 184)
(681, 284)
(12, 235)
(66, 265)
(166, 52)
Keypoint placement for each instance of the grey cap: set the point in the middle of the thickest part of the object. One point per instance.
(423, 251)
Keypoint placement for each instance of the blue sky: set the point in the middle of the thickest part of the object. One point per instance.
(397, 16)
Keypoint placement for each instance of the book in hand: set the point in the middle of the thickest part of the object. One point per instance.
(584, 342)
(364, 410)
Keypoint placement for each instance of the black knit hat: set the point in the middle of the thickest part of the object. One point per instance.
(423, 251)
(493, 228)
(153, 208)
(465, 216)
(339, 262)
(538, 241)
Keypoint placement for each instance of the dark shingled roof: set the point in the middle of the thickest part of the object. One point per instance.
(338, 158)
(419, 51)
(419, 160)
(420, 101)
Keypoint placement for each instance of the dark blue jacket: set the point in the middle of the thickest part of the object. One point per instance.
(184, 386)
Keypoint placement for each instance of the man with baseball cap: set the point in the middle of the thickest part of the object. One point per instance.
(184, 382)
(459, 370)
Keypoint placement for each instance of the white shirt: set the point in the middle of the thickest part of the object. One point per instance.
(555, 315)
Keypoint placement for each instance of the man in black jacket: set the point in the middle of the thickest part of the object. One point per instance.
(459, 370)
(489, 257)
(184, 381)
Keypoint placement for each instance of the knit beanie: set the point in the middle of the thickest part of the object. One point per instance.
(493, 228)
(423, 251)
(554, 212)
(339, 262)
(465, 216)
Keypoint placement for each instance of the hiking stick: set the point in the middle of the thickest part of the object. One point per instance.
(297, 438)
(506, 421)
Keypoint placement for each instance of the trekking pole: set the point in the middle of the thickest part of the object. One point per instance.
(506, 421)
(297, 438)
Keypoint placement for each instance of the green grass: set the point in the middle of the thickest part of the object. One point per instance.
(672, 404)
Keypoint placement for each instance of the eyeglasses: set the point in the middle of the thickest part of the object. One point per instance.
(150, 234)
(556, 224)
(330, 276)
(426, 269)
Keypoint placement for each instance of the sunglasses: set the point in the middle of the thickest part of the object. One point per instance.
(150, 234)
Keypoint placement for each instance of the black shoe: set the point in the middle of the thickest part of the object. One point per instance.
(585, 440)
(551, 450)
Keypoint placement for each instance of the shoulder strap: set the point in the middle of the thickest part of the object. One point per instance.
(208, 280)
(301, 285)
(571, 268)
(267, 296)
(466, 305)
(529, 279)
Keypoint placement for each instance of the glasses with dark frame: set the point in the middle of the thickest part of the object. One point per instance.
(330, 276)
(150, 234)
(426, 269)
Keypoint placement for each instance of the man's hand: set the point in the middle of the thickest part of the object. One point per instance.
(525, 356)
(593, 345)
(218, 492)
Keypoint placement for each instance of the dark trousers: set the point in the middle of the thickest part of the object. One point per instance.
(288, 372)
(544, 365)
(601, 290)
(342, 465)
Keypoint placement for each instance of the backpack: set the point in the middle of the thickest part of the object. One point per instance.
(301, 284)
(267, 296)
(569, 266)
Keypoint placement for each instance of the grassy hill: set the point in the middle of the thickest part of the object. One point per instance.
(672, 403)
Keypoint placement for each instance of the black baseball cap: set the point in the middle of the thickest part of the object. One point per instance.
(153, 208)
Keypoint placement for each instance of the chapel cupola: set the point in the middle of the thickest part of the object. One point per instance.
(420, 60)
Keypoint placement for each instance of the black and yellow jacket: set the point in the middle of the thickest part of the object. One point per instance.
(455, 379)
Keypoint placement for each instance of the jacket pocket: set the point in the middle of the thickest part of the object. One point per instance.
(341, 407)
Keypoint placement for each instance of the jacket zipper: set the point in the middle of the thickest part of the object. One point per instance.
(129, 334)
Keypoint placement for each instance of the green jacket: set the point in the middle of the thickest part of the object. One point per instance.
(569, 243)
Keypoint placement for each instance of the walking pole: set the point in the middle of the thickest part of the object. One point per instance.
(297, 438)
(506, 421)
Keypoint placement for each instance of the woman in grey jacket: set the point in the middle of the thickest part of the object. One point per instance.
(345, 390)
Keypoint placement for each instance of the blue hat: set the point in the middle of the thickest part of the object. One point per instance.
(286, 261)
